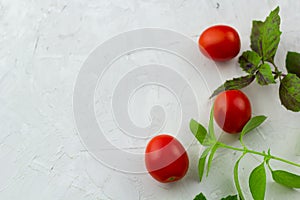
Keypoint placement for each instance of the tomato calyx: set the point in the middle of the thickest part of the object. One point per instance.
(171, 179)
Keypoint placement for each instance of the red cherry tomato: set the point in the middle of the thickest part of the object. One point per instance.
(220, 43)
(232, 110)
(166, 159)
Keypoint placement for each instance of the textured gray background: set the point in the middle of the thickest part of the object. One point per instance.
(43, 45)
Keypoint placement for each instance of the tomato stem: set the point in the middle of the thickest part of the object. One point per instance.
(245, 150)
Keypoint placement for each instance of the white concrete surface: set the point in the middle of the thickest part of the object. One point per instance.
(43, 45)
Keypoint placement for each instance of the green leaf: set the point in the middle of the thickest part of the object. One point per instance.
(211, 156)
(264, 75)
(231, 197)
(236, 178)
(256, 37)
(265, 36)
(234, 84)
(253, 123)
(292, 63)
(200, 197)
(257, 182)
(201, 163)
(211, 133)
(198, 130)
(211, 129)
(286, 178)
(249, 61)
(289, 92)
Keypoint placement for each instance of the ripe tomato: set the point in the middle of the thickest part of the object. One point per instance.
(232, 110)
(166, 159)
(220, 43)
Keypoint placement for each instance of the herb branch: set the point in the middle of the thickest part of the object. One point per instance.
(259, 61)
(257, 178)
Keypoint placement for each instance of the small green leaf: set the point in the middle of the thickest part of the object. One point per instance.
(211, 156)
(256, 37)
(289, 92)
(211, 133)
(265, 36)
(292, 63)
(234, 84)
(257, 182)
(211, 129)
(253, 123)
(236, 178)
(249, 61)
(264, 75)
(198, 130)
(201, 163)
(200, 197)
(286, 178)
(231, 197)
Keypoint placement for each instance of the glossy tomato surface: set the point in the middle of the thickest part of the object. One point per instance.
(232, 110)
(166, 159)
(220, 42)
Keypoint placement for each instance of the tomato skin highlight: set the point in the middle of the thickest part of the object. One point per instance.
(232, 110)
(166, 159)
(220, 42)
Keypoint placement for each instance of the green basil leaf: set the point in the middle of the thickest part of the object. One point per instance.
(292, 63)
(265, 36)
(231, 197)
(264, 75)
(234, 84)
(201, 163)
(198, 130)
(253, 123)
(256, 37)
(289, 92)
(249, 61)
(286, 178)
(236, 178)
(257, 182)
(200, 197)
(211, 156)
(211, 129)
